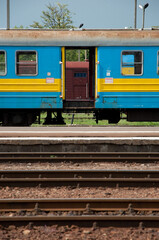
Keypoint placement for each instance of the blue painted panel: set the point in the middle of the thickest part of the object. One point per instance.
(110, 60)
(39, 100)
(127, 100)
(48, 61)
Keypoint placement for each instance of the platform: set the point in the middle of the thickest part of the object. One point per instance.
(79, 131)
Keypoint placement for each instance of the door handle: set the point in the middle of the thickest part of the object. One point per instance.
(86, 90)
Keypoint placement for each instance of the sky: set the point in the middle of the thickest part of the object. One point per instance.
(99, 14)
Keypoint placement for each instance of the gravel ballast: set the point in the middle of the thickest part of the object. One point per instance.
(71, 192)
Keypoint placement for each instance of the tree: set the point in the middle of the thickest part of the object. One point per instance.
(155, 27)
(20, 27)
(73, 55)
(57, 17)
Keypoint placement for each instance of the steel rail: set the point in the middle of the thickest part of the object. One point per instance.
(66, 210)
(80, 204)
(84, 177)
(81, 159)
(78, 156)
(81, 153)
(77, 218)
(79, 173)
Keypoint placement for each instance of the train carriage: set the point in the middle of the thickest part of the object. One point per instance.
(121, 74)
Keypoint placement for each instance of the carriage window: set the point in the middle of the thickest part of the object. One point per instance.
(26, 63)
(2, 63)
(132, 62)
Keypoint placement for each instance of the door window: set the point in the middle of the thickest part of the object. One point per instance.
(79, 74)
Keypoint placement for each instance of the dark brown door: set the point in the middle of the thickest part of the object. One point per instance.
(77, 84)
(80, 84)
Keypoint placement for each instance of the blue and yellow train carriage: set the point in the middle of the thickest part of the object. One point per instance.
(120, 74)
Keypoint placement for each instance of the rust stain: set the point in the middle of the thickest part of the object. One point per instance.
(76, 36)
(44, 34)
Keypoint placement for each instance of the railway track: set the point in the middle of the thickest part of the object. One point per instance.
(79, 210)
(103, 212)
(80, 156)
(94, 178)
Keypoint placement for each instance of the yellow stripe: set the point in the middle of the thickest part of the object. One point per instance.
(118, 85)
(129, 85)
(29, 85)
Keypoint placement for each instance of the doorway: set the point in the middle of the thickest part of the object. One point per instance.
(80, 74)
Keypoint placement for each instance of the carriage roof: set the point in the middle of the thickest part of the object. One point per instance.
(79, 38)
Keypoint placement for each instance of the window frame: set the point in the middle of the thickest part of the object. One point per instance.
(142, 62)
(16, 54)
(5, 73)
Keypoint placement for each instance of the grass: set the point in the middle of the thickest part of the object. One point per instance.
(87, 119)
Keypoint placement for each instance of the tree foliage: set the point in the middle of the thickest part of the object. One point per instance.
(73, 55)
(19, 27)
(155, 27)
(55, 17)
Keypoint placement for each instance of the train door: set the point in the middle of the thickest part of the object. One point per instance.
(80, 76)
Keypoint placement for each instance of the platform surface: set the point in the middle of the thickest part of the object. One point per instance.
(68, 132)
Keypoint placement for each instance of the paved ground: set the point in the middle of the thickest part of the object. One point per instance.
(79, 131)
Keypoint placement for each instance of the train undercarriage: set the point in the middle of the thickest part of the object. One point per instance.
(23, 117)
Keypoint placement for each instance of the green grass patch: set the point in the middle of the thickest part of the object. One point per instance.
(87, 119)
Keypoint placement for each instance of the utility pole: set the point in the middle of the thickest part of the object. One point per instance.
(143, 14)
(8, 14)
(135, 14)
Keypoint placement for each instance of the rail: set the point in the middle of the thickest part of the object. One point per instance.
(80, 156)
(46, 210)
(21, 178)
